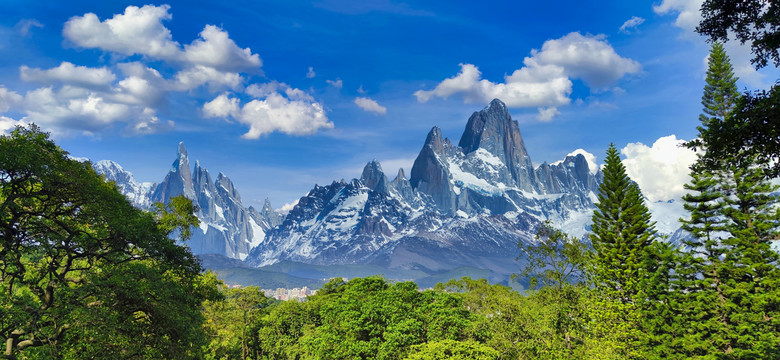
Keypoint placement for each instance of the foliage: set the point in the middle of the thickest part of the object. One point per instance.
(750, 21)
(727, 279)
(621, 232)
(555, 259)
(231, 320)
(84, 274)
(361, 318)
(451, 349)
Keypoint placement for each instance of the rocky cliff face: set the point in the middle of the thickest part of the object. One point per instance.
(464, 205)
(226, 228)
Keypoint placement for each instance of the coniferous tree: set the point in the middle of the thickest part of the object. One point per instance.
(727, 279)
(623, 263)
(621, 232)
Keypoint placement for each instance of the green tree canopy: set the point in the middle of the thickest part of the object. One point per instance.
(84, 274)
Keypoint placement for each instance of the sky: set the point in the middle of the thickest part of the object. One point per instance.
(282, 95)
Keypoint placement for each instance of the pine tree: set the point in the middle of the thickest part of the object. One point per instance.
(621, 232)
(728, 282)
(623, 264)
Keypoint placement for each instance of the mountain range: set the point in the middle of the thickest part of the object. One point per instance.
(462, 206)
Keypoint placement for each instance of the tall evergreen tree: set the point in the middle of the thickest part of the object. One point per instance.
(727, 281)
(621, 233)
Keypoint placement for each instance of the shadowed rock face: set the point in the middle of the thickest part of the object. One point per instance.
(226, 226)
(493, 130)
(178, 181)
(429, 172)
(373, 177)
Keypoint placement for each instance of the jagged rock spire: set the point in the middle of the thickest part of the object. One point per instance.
(373, 176)
(493, 130)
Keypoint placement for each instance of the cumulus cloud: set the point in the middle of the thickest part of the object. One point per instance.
(338, 84)
(199, 75)
(530, 86)
(136, 31)
(141, 31)
(547, 114)
(9, 99)
(276, 107)
(217, 50)
(310, 74)
(661, 170)
(68, 73)
(544, 81)
(688, 17)
(589, 58)
(74, 97)
(631, 23)
(370, 105)
(222, 107)
(7, 124)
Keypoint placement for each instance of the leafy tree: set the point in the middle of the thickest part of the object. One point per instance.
(231, 323)
(754, 130)
(452, 349)
(84, 274)
(556, 262)
(621, 232)
(750, 21)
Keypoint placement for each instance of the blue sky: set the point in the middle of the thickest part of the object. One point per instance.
(280, 95)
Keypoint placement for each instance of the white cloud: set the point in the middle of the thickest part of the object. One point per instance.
(222, 106)
(7, 124)
(688, 17)
(589, 58)
(24, 26)
(310, 74)
(67, 73)
(547, 114)
(360, 90)
(92, 99)
(338, 84)
(199, 75)
(292, 111)
(136, 31)
(527, 87)
(288, 207)
(590, 158)
(216, 49)
(148, 123)
(660, 170)
(544, 81)
(370, 105)
(631, 23)
(73, 108)
(8, 99)
(141, 31)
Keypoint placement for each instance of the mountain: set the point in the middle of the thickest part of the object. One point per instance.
(463, 206)
(139, 194)
(226, 228)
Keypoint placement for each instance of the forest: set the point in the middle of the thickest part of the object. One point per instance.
(85, 275)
